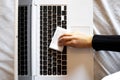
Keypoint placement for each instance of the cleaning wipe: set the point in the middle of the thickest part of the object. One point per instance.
(54, 43)
(114, 76)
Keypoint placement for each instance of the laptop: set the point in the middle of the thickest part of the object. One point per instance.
(37, 22)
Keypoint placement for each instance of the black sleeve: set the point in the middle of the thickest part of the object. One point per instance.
(106, 42)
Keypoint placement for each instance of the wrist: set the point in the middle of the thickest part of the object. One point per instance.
(90, 41)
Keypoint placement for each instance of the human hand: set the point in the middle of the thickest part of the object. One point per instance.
(76, 40)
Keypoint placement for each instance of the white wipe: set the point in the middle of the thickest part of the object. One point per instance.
(114, 76)
(54, 43)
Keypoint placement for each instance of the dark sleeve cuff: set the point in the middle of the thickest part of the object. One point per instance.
(106, 42)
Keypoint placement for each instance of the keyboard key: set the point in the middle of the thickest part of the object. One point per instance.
(58, 56)
(40, 72)
(54, 9)
(44, 67)
(49, 61)
(65, 8)
(49, 71)
(64, 62)
(54, 70)
(64, 13)
(54, 63)
(45, 8)
(64, 72)
(64, 67)
(49, 13)
(58, 61)
(49, 65)
(49, 7)
(59, 10)
(44, 72)
(64, 57)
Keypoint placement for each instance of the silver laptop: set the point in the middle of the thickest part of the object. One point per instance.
(37, 22)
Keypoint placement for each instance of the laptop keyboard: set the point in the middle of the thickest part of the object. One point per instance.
(22, 40)
(52, 62)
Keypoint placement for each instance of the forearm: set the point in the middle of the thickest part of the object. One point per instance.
(108, 42)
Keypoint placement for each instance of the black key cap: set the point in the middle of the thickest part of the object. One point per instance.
(41, 24)
(49, 26)
(64, 57)
(64, 68)
(54, 59)
(44, 72)
(40, 57)
(64, 12)
(49, 13)
(49, 22)
(45, 8)
(54, 21)
(59, 72)
(64, 26)
(64, 50)
(40, 72)
(45, 47)
(54, 63)
(44, 62)
(45, 52)
(64, 62)
(44, 68)
(45, 38)
(59, 23)
(59, 10)
(64, 22)
(41, 8)
(40, 47)
(54, 9)
(54, 54)
(49, 61)
(58, 56)
(58, 18)
(44, 57)
(49, 71)
(54, 70)
(65, 8)
(49, 7)
(58, 61)
(44, 20)
(54, 16)
(59, 67)
(49, 65)
(45, 43)
(64, 72)
(41, 13)
(45, 15)
(49, 56)
(49, 18)
(54, 26)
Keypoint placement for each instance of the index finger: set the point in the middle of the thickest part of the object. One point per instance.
(66, 34)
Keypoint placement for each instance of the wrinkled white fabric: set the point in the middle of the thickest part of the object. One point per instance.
(106, 21)
(7, 39)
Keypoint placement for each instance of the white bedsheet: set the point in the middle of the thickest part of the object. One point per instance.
(106, 62)
(107, 22)
(7, 39)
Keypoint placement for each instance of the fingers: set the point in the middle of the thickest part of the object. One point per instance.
(64, 43)
(67, 34)
(68, 43)
(65, 40)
